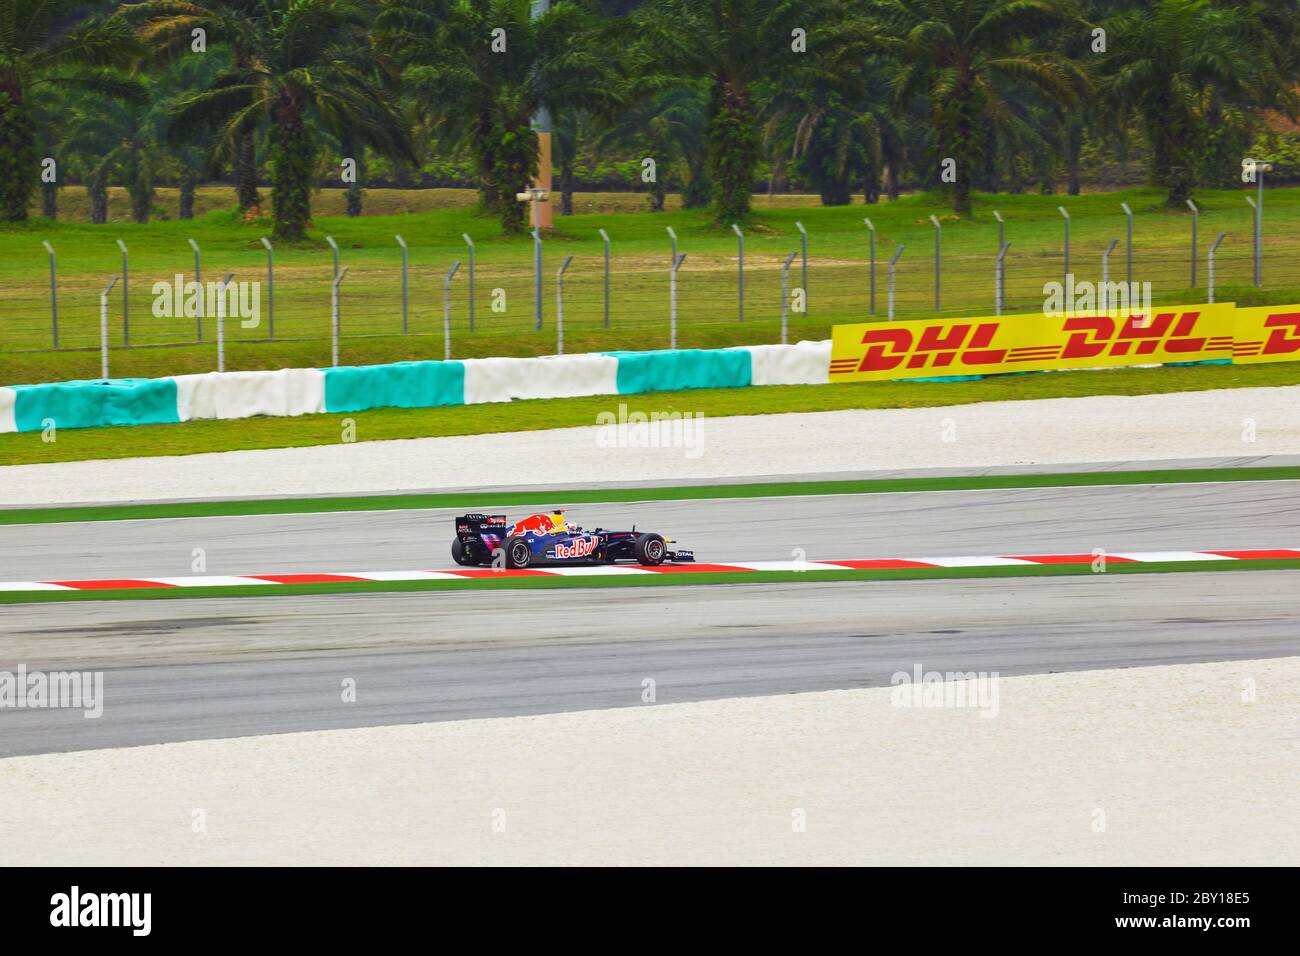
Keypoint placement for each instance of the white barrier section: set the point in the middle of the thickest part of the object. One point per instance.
(807, 363)
(7, 398)
(552, 376)
(289, 391)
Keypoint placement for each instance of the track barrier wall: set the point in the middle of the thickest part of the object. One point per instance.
(879, 351)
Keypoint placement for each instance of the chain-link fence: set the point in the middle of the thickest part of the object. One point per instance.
(50, 332)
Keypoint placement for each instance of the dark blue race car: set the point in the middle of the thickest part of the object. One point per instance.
(547, 538)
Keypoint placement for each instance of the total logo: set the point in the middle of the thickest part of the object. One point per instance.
(578, 548)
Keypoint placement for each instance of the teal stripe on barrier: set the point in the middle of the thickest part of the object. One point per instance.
(399, 385)
(686, 368)
(119, 401)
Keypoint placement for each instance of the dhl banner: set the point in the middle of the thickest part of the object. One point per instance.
(1270, 333)
(923, 348)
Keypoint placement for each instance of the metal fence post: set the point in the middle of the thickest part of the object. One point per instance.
(126, 304)
(803, 250)
(1128, 249)
(559, 306)
(1196, 216)
(1104, 298)
(334, 247)
(673, 235)
(334, 317)
(893, 262)
(1000, 294)
(103, 328)
(1066, 216)
(406, 324)
(672, 301)
(1258, 205)
(785, 295)
(740, 269)
(470, 242)
(446, 310)
(1210, 270)
(871, 258)
(270, 287)
(605, 236)
(938, 242)
(537, 278)
(221, 321)
(1256, 215)
(54, 294)
(198, 281)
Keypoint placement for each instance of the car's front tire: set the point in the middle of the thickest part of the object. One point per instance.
(518, 553)
(650, 549)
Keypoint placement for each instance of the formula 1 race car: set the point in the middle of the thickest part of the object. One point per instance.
(547, 539)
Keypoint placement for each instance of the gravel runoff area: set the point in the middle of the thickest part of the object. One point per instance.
(1179, 765)
(1208, 424)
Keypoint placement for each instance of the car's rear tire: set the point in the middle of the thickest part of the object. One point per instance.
(518, 553)
(461, 554)
(650, 549)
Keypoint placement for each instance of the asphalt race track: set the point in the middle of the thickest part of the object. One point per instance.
(201, 668)
(1190, 517)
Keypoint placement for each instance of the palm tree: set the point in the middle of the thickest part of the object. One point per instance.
(735, 45)
(65, 43)
(832, 121)
(487, 96)
(167, 30)
(669, 127)
(953, 52)
(299, 62)
(1172, 65)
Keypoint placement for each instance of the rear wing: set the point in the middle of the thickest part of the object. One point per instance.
(471, 527)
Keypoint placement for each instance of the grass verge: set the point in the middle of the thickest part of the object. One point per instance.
(664, 580)
(198, 437)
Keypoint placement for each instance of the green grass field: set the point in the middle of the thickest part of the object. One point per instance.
(432, 222)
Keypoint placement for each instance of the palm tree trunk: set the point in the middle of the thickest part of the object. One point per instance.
(50, 200)
(489, 195)
(695, 194)
(246, 174)
(140, 189)
(189, 183)
(1073, 148)
(516, 152)
(566, 187)
(355, 193)
(891, 181)
(1174, 164)
(97, 192)
(19, 163)
(294, 156)
(733, 152)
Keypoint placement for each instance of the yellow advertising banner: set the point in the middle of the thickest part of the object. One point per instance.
(923, 348)
(1269, 333)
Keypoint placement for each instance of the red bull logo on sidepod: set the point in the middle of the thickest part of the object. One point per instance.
(578, 548)
(539, 524)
